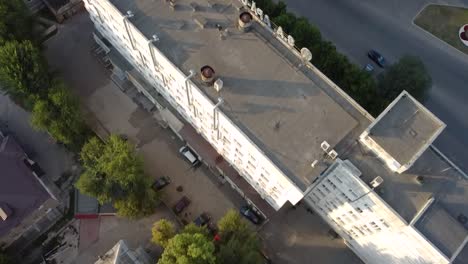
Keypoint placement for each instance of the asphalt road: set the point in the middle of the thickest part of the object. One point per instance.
(356, 26)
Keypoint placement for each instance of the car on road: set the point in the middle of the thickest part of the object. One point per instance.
(202, 219)
(250, 214)
(376, 57)
(189, 155)
(160, 183)
(181, 204)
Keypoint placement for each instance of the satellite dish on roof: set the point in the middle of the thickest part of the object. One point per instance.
(306, 54)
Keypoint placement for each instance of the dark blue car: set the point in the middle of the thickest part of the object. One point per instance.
(250, 214)
(376, 57)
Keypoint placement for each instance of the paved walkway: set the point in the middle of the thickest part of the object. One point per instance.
(89, 232)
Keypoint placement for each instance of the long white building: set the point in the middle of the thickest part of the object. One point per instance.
(287, 129)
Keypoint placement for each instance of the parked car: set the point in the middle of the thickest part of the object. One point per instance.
(202, 219)
(189, 155)
(161, 182)
(212, 228)
(376, 57)
(181, 204)
(250, 214)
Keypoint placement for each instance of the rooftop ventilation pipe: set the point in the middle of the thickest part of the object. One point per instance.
(207, 74)
(245, 21)
(127, 16)
(216, 116)
(187, 90)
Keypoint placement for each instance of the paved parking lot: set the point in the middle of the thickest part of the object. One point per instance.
(292, 236)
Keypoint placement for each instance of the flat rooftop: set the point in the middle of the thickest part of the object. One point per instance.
(449, 189)
(20, 191)
(405, 128)
(277, 103)
(442, 229)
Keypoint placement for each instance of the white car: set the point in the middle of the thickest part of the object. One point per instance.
(189, 155)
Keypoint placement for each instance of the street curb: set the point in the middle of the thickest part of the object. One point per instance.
(432, 35)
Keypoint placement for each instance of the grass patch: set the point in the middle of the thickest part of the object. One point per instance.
(444, 22)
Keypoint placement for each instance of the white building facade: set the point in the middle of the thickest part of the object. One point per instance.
(369, 225)
(197, 109)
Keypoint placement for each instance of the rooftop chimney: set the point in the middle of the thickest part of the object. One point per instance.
(245, 21)
(207, 74)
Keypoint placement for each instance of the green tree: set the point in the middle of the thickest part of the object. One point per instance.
(306, 35)
(59, 115)
(286, 20)
(238, 244)
(16, 22)
(113, 172)
(23, 71)
(189, 248)
(409, 74)
(4, 259)
(162, 231)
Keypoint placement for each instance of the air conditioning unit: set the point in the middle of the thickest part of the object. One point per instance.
(325, 146)
(218, 85)
(332, 154)
(376, 182)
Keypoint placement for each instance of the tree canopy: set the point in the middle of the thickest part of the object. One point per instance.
(189, 247)
(4, 259)
(16, 22)
(162, 231)
(23, 71)
(409, 74)
(59, 114)
(113, 172)
(238, 244)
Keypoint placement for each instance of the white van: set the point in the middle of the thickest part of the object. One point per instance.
(189, 155)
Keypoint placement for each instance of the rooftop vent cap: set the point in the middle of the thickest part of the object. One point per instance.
(207, 74)
(314, 163)
(376, 182)
(245, 21)
(218, 85)
(419, 179)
